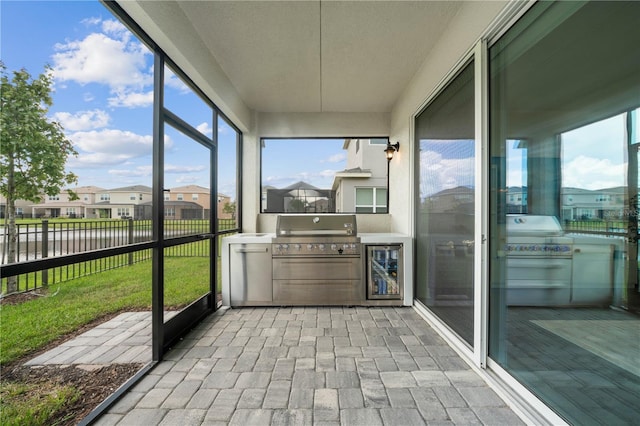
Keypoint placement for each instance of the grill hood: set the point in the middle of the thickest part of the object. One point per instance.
(298, 225)
(533, 225)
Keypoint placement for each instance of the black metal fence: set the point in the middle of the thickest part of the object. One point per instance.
(597, 227)
(48, 239)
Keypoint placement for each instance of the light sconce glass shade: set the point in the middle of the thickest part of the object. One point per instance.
(391, 149)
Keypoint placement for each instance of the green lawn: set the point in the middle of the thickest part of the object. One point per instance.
(28, 326)
(31, 325)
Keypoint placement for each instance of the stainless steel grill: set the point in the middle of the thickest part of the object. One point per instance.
(539, 261)
(317, 260)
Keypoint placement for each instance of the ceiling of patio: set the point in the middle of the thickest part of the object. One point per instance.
(311, 56)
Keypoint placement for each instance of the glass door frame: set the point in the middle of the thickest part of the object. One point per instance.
(477, 356)
(165, 333)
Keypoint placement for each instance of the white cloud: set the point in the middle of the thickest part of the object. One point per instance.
(91, 21)
(336, 158)
(101, 59)
(172, 81)
(594, 155)
(187, 179)
(131, 99)
(116, 28)
(602, 139)
(593, 173)
(82, 120)
(140, 171)
(97, 159)
(205, 129)
(111, 141)
(169, 168)
(439, 173)
(328, 173)
(109, 147)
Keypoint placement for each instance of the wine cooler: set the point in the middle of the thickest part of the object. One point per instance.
(384, 273)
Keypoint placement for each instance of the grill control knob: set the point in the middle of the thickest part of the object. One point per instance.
(285, 246)
(334, 246)
(309, 246)
(297, 246)
(321, 246)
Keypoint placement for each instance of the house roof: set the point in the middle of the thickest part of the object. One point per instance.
(132, 188)
(58, 204)
(176, 203)
(356, 172)
(87, 189)
(301, 185)
(194, 189)
(458, 190)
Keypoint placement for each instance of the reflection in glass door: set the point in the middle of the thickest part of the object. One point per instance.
(446, 206)
(633, 139)
(563, 223)
(188, 223)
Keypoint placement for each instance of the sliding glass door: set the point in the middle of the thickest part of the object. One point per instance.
(563, 254)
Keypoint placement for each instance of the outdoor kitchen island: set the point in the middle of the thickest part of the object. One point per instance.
(317, 260)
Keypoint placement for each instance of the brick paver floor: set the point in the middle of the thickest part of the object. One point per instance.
(311, 366)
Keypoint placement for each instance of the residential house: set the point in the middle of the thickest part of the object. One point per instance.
(362, 186)
(23, 208)
(65, 204)
(125, 202)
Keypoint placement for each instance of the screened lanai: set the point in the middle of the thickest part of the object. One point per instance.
(492, 106)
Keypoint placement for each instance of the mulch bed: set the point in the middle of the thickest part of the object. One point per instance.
(95, 383)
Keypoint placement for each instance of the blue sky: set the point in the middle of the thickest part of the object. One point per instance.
(287, 161)
(103, 94)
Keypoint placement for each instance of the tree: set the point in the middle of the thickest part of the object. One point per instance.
(33, 149)
(229, 208)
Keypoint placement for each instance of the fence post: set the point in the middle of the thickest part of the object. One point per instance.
(130, 239)
(45, 250)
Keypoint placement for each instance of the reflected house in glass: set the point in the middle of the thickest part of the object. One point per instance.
(300, 197)
(586, 204)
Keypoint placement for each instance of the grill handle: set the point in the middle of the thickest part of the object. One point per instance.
(251, 249)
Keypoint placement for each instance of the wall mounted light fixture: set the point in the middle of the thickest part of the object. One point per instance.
(391, 149)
